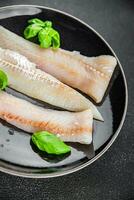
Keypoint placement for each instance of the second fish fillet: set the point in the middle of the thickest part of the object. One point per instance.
(24, 77)
(70, 127)
(88, 74)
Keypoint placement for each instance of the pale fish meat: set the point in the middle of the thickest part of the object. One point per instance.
(26, 78)
(69, 126)
(88, 74)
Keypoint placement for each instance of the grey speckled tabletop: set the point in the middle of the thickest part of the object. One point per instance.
(112, 176)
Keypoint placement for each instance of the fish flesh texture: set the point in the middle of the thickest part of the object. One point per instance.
(88, 74)
(69, 126)
(24, 77)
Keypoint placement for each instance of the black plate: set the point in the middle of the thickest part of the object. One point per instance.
(16, 153)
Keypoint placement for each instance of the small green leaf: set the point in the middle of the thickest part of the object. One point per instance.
(56, 41)
(50, 143)
(3, 80)
(48, 37)
(39, 22)
(31, 31)
(52, 32)
(48, 24)
(44, 38)
(36, 21)
(46, 43)
(42, 34)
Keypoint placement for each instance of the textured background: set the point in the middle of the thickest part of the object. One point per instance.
(112, 176)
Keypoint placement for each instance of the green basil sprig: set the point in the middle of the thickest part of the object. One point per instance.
(47, 36)
(32, 30)
(3, 80)
(50, 143)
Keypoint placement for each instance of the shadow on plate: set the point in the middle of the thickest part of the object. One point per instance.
(51, 158)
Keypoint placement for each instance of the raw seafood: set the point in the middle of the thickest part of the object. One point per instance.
(74, 127)
(24, 77)
(89, 74)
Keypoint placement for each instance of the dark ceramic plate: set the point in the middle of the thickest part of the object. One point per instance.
(16, 154)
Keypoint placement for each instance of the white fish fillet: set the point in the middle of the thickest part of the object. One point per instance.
(89, 74)
(24, 77)
(70, 127)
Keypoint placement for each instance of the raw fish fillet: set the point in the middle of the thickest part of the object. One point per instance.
(69, 126)
(24, 77)
(89, 74)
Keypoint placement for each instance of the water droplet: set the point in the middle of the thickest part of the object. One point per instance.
(11, 131)
(2, 145)
(7, 140)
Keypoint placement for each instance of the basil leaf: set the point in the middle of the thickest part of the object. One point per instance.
(42, 34)
(3, 80)
(44, 38)
(36, 21)
(31, 31)
(56, 40)
(47, 36)
(40, 22)
(48, 24)
(46, 43)
(50, 143)
(52, 32)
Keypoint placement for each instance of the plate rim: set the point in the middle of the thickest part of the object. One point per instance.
(57, 174)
